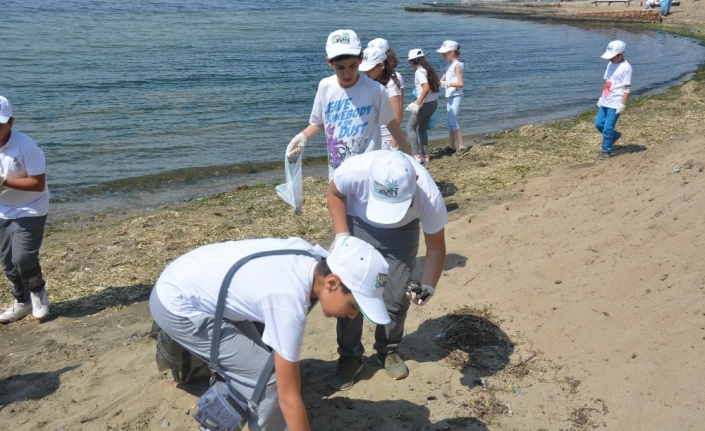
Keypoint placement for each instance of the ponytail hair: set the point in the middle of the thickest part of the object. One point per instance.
(393, 61)
(433, 80)
(388, 73)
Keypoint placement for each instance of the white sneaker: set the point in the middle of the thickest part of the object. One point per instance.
(40, 304)
(16, 311)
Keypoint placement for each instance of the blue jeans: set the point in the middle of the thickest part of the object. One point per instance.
(665, 7)
(453, 107)
(605, 122)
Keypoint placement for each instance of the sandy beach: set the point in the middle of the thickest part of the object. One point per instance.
(573, 296)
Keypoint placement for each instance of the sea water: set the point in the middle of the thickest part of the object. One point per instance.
(147, 103)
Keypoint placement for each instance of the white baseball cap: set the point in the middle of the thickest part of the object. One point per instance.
(448, 45)
(363, 270)
(415, 53)
(5, 110)
(371, 57)
(379, 43)
(392, 187)
(615, 47)
(343, 42)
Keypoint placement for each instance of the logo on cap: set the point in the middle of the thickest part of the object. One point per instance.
(391, 190)
(381, 281)
(341, 38)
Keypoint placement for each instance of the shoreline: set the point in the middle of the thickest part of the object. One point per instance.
(127, 249)
(487, 174)
(571, 296)
(685, 19)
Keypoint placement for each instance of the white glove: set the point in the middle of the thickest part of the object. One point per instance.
(339, 239)
(599, 102)
(445, 84)
(296, 145)
(419, 294)
(413, 108)
(621, 108)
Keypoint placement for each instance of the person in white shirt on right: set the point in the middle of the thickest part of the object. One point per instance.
(615, 92)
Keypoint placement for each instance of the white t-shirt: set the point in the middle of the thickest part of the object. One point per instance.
(617, 77)
(452, 77)
(420, 78)
(274, 290)
(352, 179)
(20, 158)
(351, 117)
(392, 90)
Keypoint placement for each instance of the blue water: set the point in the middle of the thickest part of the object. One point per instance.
(143, 103)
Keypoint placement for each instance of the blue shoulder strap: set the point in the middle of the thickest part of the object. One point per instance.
(215, 342)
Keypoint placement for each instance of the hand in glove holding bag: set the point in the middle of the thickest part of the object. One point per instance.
(413, 108)
(418, 293)
(621, 108)
(444, 84)
(296, 145)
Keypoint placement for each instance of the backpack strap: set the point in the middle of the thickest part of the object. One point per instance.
(219, 308)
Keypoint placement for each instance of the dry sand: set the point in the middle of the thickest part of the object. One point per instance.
(588, 298)
(596, 274)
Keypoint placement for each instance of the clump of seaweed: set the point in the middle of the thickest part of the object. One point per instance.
(473, 338)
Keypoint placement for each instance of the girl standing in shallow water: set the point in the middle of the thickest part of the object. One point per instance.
(377, 67)
(426, 84)
(453, 83)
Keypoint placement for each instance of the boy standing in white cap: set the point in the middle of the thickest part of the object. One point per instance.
(277, 291)
(615, 92)
(24, 203)
(385, 197)
(349, 106)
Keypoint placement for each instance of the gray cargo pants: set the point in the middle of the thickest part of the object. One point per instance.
(20, 240)
(241, 357)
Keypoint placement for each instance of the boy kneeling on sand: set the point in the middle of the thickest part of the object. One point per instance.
(277, 291)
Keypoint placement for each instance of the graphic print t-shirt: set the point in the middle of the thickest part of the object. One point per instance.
(351, 117)
(617, 77)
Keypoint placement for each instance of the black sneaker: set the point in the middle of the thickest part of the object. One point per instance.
(348, 368)
(604, 155)
(393, 364)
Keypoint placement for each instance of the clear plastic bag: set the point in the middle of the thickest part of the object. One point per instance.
(292, 192)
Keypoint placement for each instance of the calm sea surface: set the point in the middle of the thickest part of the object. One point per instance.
(139, 104)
